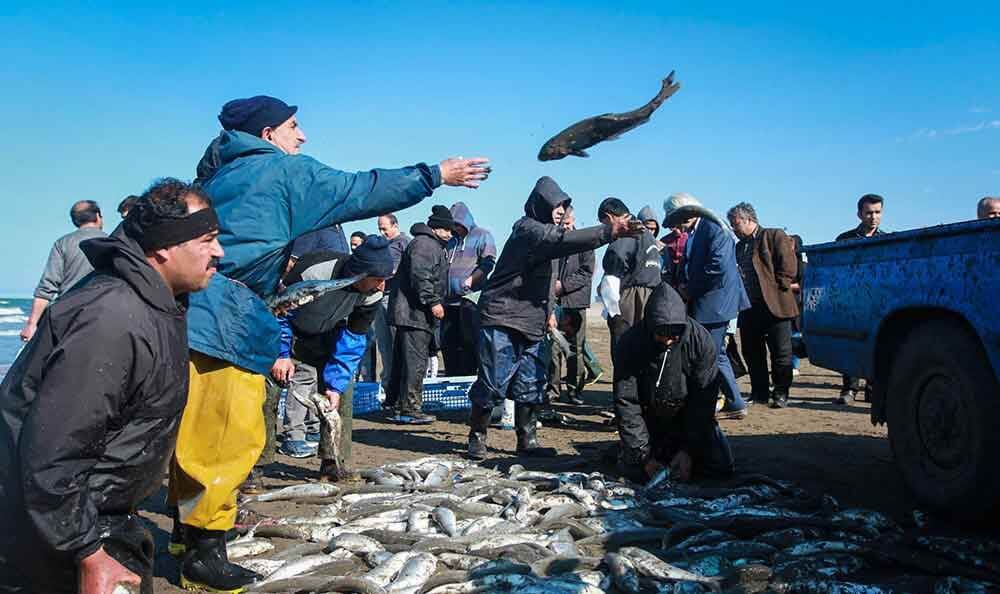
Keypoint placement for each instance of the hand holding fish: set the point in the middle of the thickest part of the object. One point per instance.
(469, 173)
(100, 573)
(282, 370)
(629, 228)
(333, 399)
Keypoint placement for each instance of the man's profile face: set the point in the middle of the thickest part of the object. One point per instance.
(387, 228)
(442, 234)
(191, 264)
(356, 243)
(289, 137)
(370, 285)
(569, 221)
(687, 225)
(557, 214)
(870, 215)
(991, 210)
(742, 226)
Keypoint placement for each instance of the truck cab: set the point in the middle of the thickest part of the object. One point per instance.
(915, 313)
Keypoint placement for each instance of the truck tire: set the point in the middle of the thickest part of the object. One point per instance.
(941, 397)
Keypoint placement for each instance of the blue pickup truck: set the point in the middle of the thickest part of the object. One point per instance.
(917, 314)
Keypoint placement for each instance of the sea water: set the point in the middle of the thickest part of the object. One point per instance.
(13, 314)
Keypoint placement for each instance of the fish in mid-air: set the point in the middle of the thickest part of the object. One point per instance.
(304, 292)
(586, 133)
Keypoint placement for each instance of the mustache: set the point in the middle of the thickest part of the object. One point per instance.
(213, 263)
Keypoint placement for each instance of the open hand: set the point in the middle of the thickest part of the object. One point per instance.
(100, 573)
(626, 228)
(469, 173)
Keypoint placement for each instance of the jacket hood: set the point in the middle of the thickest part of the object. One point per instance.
(664, 308)
(121, 256)
(226, 148)
(424, 229)
(463, 216)
(647, 214)
(546, 196)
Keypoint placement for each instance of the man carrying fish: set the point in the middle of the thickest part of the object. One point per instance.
(516, 305)
(267, 195)
(326, 340)
(665, 389)
(89, 411)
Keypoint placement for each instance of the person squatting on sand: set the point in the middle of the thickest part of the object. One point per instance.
(90, 409)
(516, 305)
(267, 195)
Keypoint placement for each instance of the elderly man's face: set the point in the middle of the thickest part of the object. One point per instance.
(569, 220)
(289, 137)
(387, 228)
(742, 226)
(991, 210)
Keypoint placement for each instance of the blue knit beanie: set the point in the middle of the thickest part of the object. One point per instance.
(254, 114)
(372, 258)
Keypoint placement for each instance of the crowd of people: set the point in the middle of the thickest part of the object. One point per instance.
(161, 333)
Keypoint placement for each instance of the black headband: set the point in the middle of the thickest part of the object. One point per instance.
(177, 231)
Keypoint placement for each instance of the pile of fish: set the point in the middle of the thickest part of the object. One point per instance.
(440, 526)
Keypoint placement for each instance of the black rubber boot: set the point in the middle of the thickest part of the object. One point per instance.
(206, 565)
(526, 427)
(479, 421)
(254, 485)
(178, 544)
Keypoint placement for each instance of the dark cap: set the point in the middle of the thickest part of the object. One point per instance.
(254, 114)
(441, 218)
(612, 206)
(372, 258)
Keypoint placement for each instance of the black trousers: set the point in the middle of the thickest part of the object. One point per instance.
(30, 571)
(761, 332)
(410, 351)
(459, 336)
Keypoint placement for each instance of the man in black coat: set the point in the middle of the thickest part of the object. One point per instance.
(416, 307)
(515, 307)
(666, 384)
(575, 280)
(90, 409)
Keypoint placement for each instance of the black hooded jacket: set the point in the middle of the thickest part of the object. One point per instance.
(519, 293)
(420, 282)
(90, 409)
(651, 382)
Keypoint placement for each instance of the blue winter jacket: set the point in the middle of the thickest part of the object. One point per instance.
(265, 199)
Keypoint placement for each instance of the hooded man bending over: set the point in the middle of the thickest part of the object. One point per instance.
(666, 383)
(90, 409)
(515, 306)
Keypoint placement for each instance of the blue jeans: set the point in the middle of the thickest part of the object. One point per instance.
(727, 379)
(510, 366)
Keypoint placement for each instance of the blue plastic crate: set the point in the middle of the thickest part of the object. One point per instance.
(447, 393)
(366, 398)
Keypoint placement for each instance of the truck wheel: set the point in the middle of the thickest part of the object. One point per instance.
(941, 398)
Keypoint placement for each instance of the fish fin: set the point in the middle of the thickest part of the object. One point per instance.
(580, 153)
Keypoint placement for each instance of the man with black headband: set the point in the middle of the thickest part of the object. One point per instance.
(267, 194)
(666, 383)
(89, 411)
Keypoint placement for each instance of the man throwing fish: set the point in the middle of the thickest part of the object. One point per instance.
(665, 387)
(267, 195)
(90, 409)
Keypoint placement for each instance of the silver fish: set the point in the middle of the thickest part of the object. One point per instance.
(414, 574)
(302, 491)
(358, 544)
(304, 292)
(623, 573)
(248, 548)
(445, 519)
(298, 567)
(384, 574)
(654, 567)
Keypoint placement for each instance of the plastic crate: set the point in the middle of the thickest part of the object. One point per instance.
(447, 393)
(366, 398)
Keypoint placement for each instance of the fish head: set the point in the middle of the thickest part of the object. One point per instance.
(552, 151)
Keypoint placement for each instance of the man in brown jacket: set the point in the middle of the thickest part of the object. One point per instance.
(766, 258)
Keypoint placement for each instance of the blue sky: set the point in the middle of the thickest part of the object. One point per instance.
(798, 110)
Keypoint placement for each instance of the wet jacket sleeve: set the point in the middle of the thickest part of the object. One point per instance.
(349, 345)
(425, 273)
(582, 277)
(79, 397)
(50, 285)
(552, 241)
(632, 430)
(709, 274)
(332, 196)
(702, 372)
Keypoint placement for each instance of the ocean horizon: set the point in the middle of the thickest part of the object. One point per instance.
(13, 314)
